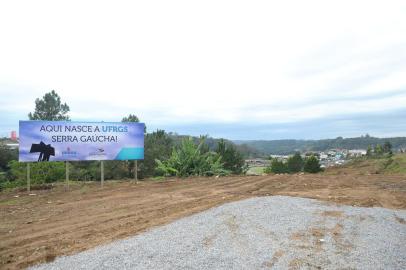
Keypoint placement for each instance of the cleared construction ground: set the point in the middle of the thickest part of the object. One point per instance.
(38, 228)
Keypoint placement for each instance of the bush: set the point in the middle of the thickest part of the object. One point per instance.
(268, 170)
(188, 159)
(158, 145)
(40, 173)
(312, 165)
(7, 155)
(295, 163)
(277, 167)
(232, 159)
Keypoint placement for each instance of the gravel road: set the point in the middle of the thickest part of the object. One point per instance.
(277, 232)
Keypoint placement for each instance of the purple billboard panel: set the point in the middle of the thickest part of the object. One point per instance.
(69, 141)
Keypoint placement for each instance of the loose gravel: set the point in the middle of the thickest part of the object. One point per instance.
(277, 232)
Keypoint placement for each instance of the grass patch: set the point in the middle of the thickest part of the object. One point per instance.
(256, 170)
(14, 201)
(397, 164)
(158, 178)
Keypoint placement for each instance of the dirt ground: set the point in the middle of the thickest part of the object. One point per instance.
(37, 228)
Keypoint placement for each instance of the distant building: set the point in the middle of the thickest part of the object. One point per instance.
(257, 162)
(357, 152)
(13, 135)
(323, 156)
(280, 157)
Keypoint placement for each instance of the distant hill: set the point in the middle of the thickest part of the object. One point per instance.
(246, 150)
(285, 147)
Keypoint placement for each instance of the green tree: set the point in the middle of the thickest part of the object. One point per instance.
(278, 166)
(387, 147)
(85, 170)
(369, 151)
(312, 165)
(158, 145)
(378, 150)
(50, 108)
(132, 118)
(295, 163)
(231, 157)
(41, 172)
(6, 155)
(189, 160)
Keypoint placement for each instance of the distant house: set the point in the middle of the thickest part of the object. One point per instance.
(323, 156)
(12, 145)
(259, 162)
(357, 152)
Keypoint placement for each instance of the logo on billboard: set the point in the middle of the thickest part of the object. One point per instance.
(44, 150)
(69, 152)
(98, 152)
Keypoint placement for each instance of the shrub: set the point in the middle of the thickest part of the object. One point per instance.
(41, 172)
(278, 166)
(231, 158)
(189, 159)
(312, 165)
(6, 155)
(158, 145)
(295, 163)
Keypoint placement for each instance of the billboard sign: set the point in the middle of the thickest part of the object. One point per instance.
(69, 141)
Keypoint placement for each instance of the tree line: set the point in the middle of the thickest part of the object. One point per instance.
(379, 150)
(294, 164)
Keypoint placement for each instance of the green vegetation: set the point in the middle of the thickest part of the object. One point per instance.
(380, 159)
(133, 118)
(277, 166)
(158, 145)
(384, 164)
(50, 108)
(379, 150)
(233, 160)
(6, 155)
(245, 150)
(192, 159)
(256, 170)
(312, 165)
(395, 164)
(41, 173)
(294, 164)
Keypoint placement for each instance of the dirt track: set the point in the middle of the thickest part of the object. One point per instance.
(38, 228)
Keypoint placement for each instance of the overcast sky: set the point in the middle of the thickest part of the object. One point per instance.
(235, 69)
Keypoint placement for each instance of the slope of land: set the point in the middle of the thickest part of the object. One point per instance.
(386, 165)
(36, 228)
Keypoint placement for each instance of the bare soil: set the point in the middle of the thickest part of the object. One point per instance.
(53, 222)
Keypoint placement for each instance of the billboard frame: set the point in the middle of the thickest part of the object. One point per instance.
(68, 161)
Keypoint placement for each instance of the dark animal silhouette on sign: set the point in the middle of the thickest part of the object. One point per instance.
(44, 150)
